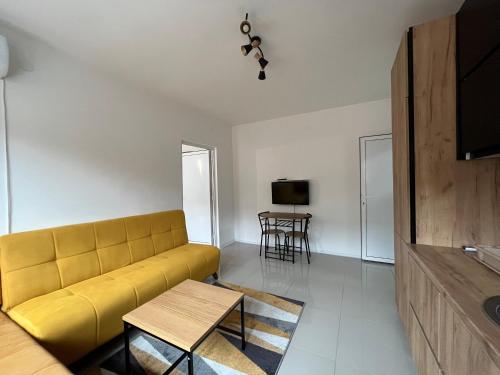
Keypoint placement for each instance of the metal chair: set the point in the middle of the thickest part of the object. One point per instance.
(265, 232)
(302, 234)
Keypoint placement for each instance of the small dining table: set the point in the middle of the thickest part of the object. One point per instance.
(286, 220)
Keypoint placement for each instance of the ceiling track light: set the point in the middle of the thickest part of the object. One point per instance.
(254, 43)
(262, 61)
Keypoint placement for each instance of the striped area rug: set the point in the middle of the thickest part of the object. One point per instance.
(270, 322)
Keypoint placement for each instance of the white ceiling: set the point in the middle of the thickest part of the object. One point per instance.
(322, 53)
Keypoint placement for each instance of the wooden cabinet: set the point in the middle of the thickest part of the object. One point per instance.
(424, 301)
(456, 202)
(435, 121)
(401, 184)
(400, 142)
(440, 201)
(421, 352)
(401, 270)
(460, 352)
(449, 332)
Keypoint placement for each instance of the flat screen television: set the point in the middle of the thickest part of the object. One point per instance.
(290, 192)
(478, 74)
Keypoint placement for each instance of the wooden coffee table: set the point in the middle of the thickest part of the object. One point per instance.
(184, 316)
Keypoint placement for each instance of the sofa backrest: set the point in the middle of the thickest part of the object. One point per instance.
(42, 261)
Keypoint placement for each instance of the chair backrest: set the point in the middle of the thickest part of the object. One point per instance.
(307, 221)
(263, 221)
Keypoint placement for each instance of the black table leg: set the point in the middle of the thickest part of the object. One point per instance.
(190, 364)
(242, 318)
(127, 348)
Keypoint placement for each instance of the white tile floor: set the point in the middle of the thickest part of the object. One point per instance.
(349, 326)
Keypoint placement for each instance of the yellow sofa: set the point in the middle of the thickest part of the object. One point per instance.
(70, 286)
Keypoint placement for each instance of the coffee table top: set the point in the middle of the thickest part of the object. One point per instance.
(184, 315)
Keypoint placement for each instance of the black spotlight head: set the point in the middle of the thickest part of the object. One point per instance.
(263, 62)
(262, 75)
(255, 41)
(245, 50)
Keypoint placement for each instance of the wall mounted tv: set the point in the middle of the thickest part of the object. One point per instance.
(478, 73)
(290, 192)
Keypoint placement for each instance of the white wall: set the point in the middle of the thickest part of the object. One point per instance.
(84, 146)
(320, 146)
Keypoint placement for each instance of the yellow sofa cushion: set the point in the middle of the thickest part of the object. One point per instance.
(210, 253)
(141, 248)
(163, 242)
(112, 246)
(202, 260)
(111, 300)
(174, 271)
(63, 256)
(76, 254)
(148, 282)
(74, 239)
(78, 268)
(30, 282)
(197, 265)
(66, 324)
(70, 286)
(24, 258)
(110, 232)
(169, 230)
(139, 237)
(139, 226)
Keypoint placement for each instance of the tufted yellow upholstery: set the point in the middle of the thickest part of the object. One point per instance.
(64, 323)
(173, 271)
(70, 286)
(147, 282)
(76, 254)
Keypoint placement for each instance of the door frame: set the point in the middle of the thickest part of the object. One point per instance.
(214, 201)
(362, 198)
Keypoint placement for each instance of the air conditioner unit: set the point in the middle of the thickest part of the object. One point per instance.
(4, 57)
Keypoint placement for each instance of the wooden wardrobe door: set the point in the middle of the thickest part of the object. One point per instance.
(400, 142)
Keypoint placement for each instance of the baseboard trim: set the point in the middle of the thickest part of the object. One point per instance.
(247, 242)
(226, 244)
(312, 250)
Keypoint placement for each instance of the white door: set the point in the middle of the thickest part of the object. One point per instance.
(377, 215)
(197, 195)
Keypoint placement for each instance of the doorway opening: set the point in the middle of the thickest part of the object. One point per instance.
(377, 214)
(199, 193)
